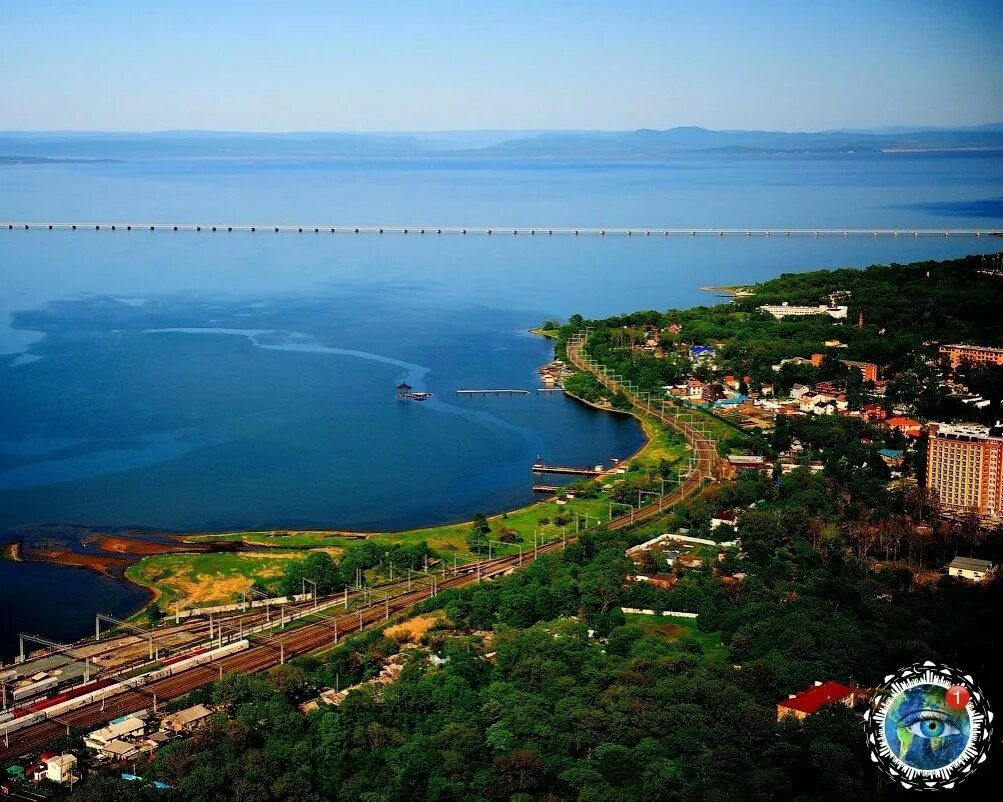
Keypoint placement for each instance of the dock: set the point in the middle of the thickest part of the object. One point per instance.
(546, 488)
(550, 389)
(497, 391)
(539, 467)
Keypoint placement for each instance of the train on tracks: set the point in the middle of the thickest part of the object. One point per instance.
(84, 695)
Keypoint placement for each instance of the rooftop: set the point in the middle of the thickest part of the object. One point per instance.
(188, 715)
(814, 698)
(971, 564)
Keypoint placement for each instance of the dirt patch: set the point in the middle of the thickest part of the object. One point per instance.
(670, 631)
(219, 587)
(412, 630)
(103, 564)
(124, 545)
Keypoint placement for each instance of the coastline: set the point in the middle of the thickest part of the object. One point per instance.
(732, 291)
(121, 556)
(12, 551)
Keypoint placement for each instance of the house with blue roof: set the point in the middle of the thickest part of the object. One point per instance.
(699, 353)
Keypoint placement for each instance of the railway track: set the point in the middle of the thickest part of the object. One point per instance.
(706, 450)
(304, 638)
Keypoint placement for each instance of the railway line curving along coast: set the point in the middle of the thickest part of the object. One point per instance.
(322, 631)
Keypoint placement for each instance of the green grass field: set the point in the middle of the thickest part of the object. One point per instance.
(207, 579)
(675, 628)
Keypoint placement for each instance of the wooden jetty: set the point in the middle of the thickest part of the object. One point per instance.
(539, 467)
(546, 488)
(496, 391)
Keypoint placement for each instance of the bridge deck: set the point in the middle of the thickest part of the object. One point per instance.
(643, 231)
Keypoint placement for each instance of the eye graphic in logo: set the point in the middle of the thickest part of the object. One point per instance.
(928, 726)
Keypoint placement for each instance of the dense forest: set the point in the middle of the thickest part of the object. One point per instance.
(544, 690)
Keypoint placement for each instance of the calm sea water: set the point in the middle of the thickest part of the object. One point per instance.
(203, 381)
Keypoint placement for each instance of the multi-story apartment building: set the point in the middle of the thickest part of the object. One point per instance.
(965, 467)
(973, 354)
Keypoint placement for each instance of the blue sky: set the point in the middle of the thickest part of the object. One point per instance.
(399, 65)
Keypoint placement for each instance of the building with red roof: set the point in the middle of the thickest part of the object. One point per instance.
(908, 426)
(813, 698)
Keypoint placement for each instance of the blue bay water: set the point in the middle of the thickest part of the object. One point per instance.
(212, 381)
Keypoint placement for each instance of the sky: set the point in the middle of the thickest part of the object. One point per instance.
(408, 65)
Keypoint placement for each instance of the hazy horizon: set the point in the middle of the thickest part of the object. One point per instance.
(882, 129)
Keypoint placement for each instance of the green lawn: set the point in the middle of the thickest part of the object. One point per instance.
(205, 579)
(675, 628)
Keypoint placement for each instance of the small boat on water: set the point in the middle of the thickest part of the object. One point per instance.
(419, 396)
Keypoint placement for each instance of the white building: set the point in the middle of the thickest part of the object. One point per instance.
(61, 768)
(786, 310)
(109, 740)
(970, 568)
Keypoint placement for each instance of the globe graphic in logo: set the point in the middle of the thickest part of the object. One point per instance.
(929, 726)
(921, 729)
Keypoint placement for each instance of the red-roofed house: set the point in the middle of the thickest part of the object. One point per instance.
(908, 426)
(814, 698)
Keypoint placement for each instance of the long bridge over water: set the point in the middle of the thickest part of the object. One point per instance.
(618, 231)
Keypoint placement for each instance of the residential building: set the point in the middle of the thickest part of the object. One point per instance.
(118, 749)
(964, 466)
(812, 699)
(867, 369)
(970, 568)
(740, 463)
(973, 354)
(908, 426)
(727, 518)
(61, 768)
(694, 388)
(700, 353)
(874, 412)
(786, 310)
(125, 727)
(186, 720)
(794, 360)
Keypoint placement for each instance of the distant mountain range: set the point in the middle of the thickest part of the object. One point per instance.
(643, 144)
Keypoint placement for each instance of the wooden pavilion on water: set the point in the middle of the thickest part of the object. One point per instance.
(405, 392)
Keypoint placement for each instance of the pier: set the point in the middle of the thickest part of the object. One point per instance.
(539, 467)
(546, 488)
(501, 391)
(619, 231)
